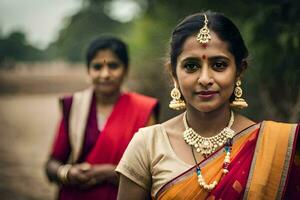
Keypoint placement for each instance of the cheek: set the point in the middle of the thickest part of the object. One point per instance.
(186, 84)
(119, 74)
(227, 85)
(227, 79)
(92, 73)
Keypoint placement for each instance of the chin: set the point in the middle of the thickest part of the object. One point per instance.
(205, 110)
(207, 107)
(105, 91)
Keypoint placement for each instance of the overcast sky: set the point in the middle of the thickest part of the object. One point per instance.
(39, 19)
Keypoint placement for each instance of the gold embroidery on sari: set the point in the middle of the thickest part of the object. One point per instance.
(237, 186)
(211, 197)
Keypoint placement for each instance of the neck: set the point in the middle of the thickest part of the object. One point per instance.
(107, 99)
(208, 124)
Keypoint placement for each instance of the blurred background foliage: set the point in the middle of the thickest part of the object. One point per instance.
(271, 30)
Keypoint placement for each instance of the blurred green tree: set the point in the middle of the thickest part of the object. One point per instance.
(81, 28)
(15, 47)
(270, 29)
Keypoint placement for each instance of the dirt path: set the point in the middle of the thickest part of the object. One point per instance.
(27, 127)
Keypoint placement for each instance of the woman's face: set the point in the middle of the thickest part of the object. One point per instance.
(206, 75)
(107, 72)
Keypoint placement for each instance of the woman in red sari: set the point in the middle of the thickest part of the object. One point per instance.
(97, 125)
(210, 151)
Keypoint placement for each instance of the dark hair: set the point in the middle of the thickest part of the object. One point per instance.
(220, 25)
(117, 46)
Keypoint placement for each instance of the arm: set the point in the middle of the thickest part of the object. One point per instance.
(134, 169)
(51, 168)
(102, 173)
(60, 153)
(76, 175)
(129, 190)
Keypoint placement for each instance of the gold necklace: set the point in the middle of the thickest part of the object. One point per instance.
(207, 145)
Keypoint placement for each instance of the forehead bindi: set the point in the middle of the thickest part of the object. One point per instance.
(192, 49)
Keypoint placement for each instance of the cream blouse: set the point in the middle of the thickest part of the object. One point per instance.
(149, 159)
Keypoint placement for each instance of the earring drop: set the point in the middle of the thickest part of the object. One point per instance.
(238, 102)
(177, 103)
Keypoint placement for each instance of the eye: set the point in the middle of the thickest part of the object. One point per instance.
(191, 67)
(219, 65)
(97, 66)
(113, 65)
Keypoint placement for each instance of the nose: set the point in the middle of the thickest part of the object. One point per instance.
(104, 73)
(205, 79)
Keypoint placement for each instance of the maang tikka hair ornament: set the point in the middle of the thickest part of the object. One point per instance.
(177, 103)
(238, 102)
(203, 36)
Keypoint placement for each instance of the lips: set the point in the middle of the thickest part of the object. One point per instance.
(206, 95)
(104, 82)
(207, 92)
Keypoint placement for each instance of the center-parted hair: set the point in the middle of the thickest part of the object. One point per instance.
(223, 27)
(114, 44)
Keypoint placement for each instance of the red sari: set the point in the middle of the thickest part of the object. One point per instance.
(131, 112)
(265, 165)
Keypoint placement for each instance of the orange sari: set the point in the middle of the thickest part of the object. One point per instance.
(261, 162)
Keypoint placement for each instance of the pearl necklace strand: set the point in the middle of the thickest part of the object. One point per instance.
(207, 145)
(225, 170)
(227, 150)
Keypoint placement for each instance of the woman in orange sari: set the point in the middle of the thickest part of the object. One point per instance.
(97, 125)
(210, 151)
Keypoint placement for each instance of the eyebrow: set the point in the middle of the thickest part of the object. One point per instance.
(106, 62)
(218, 58)
(211, 58)
(190, 59)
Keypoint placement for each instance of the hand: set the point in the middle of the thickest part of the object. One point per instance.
(100, 174)
(77, 175)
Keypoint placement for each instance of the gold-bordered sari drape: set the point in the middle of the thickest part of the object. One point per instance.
(261, 161)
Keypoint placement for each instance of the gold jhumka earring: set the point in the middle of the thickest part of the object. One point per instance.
(203, 36)
(238, 102)
(177, 103)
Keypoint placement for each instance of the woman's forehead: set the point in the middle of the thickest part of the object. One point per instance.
(106, 54)
(215, 47)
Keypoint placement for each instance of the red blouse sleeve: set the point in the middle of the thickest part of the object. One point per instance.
(61, 147)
